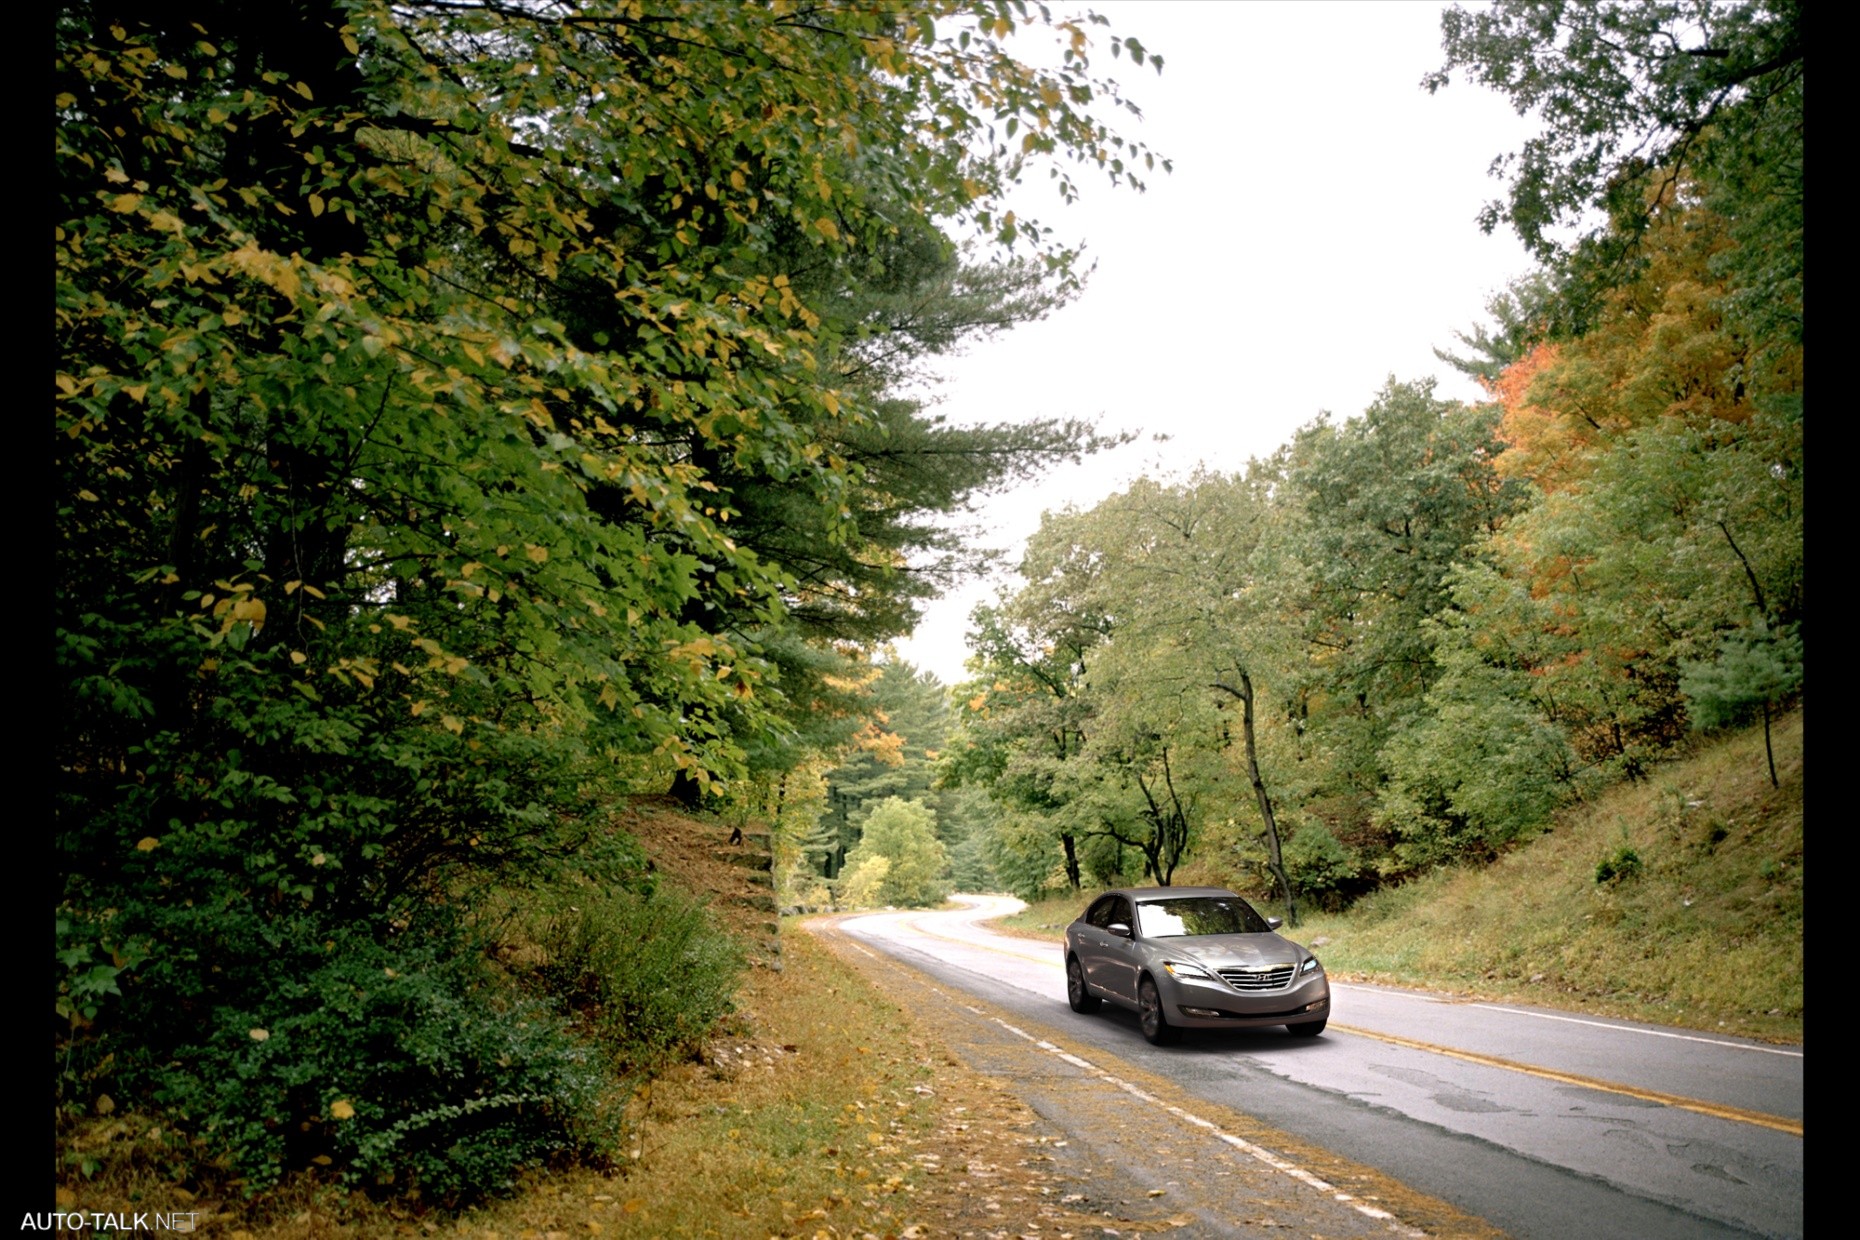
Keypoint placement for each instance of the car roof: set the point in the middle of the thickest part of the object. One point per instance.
(1141, 894)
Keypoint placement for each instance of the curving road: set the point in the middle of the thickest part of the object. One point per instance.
(1541, 1123)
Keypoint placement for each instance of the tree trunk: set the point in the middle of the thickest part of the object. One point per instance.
(1072, 859)
(1275, 858)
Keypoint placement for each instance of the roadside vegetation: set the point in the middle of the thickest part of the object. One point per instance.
(1675, 900)
(811, 1105)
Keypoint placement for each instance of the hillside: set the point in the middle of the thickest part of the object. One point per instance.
(1676, 899)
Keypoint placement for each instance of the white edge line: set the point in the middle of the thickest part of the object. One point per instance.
(1263, 1155)
(1652, 1033)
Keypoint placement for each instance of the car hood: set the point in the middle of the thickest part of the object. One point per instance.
(1222, 951)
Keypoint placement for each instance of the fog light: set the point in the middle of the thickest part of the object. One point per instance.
(1204, 1013)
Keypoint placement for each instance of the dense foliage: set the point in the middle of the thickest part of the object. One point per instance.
(465, 413)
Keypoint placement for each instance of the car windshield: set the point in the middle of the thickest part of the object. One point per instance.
(1186, 915)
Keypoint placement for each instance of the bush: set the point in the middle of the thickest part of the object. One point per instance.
(647, 975)
(400, 1066)
(1624, 864)
(1318, 864)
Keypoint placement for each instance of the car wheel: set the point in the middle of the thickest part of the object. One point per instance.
(1081, 999)
(1156, 1026)
(1309, 1029)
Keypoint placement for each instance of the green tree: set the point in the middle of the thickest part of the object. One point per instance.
(1379, 509)
(894, 754)
(1025, 716)
(1633, 99)
(416, 364)
(899, 837)
(1756, 671)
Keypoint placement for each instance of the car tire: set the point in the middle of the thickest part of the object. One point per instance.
(1083, 1001)
(1156, 1026)
(1310, 1029)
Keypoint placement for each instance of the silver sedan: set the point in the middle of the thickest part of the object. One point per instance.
(1192, 958)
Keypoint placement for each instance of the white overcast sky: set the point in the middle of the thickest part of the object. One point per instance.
(1317, 236)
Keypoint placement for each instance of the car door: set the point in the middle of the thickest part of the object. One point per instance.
(1094, 943)
(1121, 965)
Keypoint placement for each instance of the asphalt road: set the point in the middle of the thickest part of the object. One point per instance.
(1540, 1123)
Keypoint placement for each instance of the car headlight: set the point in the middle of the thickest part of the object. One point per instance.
(1310, 966)
(1195, 971)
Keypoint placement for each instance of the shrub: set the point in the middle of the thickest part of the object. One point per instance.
(1318, 865)
(400, 1066)
(1623, 864)
(647, 975)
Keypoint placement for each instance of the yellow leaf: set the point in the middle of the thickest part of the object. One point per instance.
(115, 176)
(453, 724)
(418, 707)
(316, 204)
(105, 1104)
(539, 554)
(250, 610)
(147, 843)
(260, 1035)
(301, 89)
(321, 1160)
(122, 204)
(827, 228)
(299, 657)
(341, 1108)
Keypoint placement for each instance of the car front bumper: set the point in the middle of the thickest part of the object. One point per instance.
(1193, 1004)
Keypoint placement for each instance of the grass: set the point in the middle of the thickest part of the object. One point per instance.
(761, 1137)
(1699, 926)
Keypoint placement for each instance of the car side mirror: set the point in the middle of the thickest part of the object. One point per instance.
(1119, 929)
(1273, 923)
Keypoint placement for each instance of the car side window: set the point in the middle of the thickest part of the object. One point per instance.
(1100, 914)
(1120, 911)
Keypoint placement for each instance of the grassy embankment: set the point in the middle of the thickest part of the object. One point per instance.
(1703, 930)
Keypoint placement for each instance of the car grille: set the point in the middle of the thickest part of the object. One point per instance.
(1275, 977)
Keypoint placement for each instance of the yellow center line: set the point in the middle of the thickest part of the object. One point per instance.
(1045, 957)
(1714, 1109)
